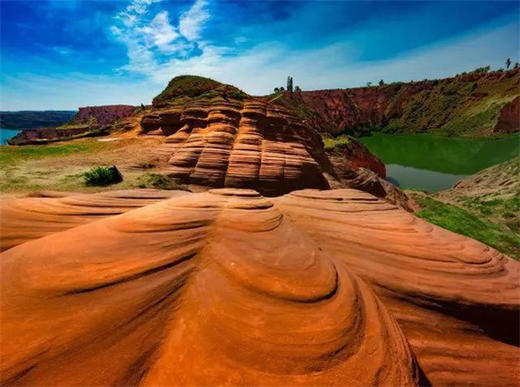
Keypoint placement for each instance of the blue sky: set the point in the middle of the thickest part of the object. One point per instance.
(62, 54)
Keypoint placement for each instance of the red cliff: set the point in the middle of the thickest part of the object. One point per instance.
(469, 104)
(102, 115)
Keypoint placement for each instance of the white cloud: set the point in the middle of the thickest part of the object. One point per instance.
(160, 32)
(257, 70)
(192, 21)
(146, 37)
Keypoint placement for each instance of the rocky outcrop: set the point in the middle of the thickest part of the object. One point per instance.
(89, 121)
(349, 157)
(229, 140)
(509, 118)
(246, 145)
(44, 135)
(467, 104)
(102, 115)
(228, 288)
(368, 181)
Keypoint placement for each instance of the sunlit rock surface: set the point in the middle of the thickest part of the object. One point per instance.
(248, 144)
(226, 287)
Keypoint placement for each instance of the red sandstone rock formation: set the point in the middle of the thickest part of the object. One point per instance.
(49, 212)
(248, 144)
(509, 118)
(351, 157)
(229, 288)
(102, 115)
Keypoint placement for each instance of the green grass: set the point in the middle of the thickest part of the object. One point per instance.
(504, 210)
(10, 155)
(154, 180)
(458, 220)
(332, 143)
(184, 88)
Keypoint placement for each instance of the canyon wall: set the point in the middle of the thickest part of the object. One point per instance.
(102, 115)
(477, 104)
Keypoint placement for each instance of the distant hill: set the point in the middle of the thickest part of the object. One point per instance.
(474, 104)
(28, 119)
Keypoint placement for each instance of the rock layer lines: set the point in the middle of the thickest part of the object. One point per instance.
(240, 144)
(229, 288)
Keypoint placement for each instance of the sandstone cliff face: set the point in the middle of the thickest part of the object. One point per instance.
(464, 105)
(102, 115)
(245, 144)
(509, 118)
(228, 288)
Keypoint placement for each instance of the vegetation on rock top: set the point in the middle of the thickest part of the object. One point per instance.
(184, 88)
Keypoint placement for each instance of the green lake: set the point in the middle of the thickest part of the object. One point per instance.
(434, 163)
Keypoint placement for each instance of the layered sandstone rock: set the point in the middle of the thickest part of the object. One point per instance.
(228, 288)
(49, 212)
(247, 144)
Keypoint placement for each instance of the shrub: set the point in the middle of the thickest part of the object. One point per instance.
(154, 180)
(102, 176)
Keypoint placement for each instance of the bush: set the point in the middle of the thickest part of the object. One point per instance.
(102, 176)
(154, 180)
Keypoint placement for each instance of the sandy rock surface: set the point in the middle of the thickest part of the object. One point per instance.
(229, 288)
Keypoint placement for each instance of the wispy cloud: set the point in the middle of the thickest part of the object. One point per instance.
(164, 39)
(151, 39)
(192, 21)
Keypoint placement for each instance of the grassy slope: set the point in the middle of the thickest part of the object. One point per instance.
(458, 220)
(485, 206)
(455, 106)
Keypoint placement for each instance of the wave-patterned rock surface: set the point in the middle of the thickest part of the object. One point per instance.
(29, 218)
(230, 288)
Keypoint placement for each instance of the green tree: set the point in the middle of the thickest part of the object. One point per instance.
(289, 84)
(381, 82)
(508, 62)
(297, 89)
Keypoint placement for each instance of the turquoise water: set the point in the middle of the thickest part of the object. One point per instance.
(432, 163)
(6, 134)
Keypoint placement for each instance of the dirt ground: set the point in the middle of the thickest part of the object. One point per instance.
(60, 166)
